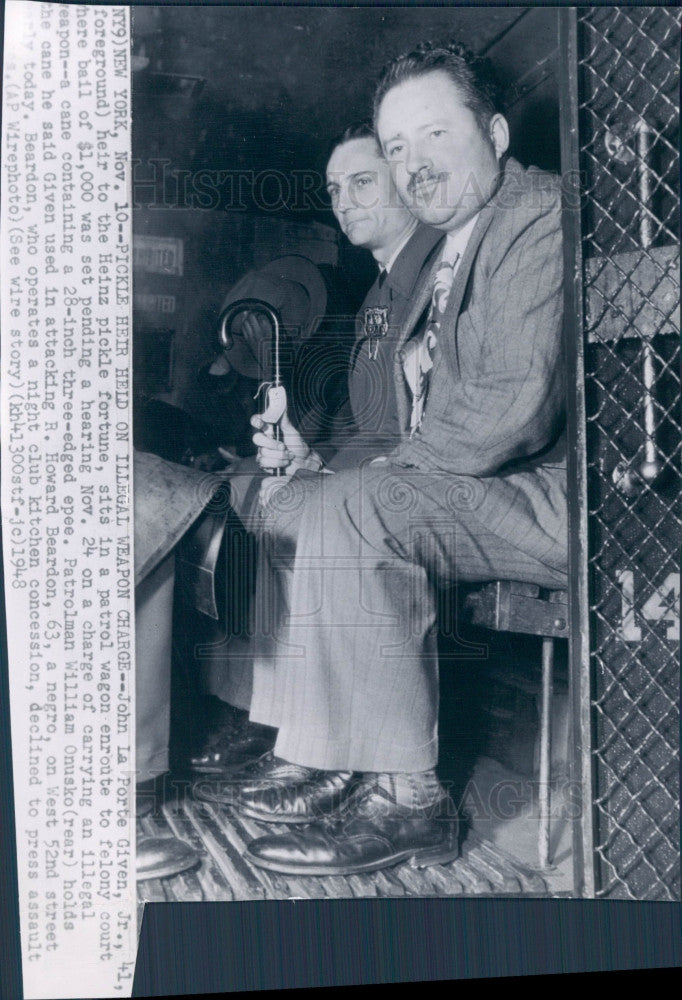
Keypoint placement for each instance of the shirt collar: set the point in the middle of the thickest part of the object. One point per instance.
(456, 243)
(394, 256)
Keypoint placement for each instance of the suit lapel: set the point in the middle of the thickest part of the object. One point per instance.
(421, 300)
(423, 297)
(454, 304)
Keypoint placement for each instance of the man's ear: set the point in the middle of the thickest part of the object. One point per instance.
(499, 134)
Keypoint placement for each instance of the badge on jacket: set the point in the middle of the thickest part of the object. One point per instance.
(375, 327)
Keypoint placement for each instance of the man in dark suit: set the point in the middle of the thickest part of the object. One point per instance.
(372, 217)
(369, 213)
(475, 490)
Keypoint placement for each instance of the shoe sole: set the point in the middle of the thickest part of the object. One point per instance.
(269, 818)
(203, 790)
(167, 871)
(226, 771)
(415, 859)
(215, 798)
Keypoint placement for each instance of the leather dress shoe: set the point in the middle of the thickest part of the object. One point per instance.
(233, 748)
(162, 857)
(224, 791)
(291, 793)
(274, 791)
(370, 831)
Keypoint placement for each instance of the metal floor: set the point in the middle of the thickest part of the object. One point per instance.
(219, 836)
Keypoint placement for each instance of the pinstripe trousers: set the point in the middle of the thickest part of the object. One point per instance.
(345, 661)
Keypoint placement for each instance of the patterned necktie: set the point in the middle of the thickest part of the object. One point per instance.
(419, 352)
(441, 293)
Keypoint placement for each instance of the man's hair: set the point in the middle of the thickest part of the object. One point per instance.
(472, 75)
(357, 130)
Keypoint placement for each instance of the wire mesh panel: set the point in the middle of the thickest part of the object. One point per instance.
(629, 132)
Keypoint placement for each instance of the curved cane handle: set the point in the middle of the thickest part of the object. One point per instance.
(276, 398)
(245, 305)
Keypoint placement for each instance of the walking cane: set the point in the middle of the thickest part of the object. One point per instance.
(275, 393)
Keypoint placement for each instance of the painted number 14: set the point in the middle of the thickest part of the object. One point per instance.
(663, 605)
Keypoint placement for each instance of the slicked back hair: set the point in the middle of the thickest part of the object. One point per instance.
(473, 76)
(357, 130)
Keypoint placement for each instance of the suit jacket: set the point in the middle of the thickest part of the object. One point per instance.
(495, 405)
(373, 425)
(496, 397)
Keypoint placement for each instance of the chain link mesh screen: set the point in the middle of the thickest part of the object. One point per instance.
(629, 138)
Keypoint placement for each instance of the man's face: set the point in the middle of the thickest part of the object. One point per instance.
(363, 198)
(444, 165)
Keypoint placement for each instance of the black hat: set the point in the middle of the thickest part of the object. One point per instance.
(295, 289)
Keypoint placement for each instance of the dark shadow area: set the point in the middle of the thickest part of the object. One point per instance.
(305, 944)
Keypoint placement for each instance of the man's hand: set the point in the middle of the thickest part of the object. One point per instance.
(289, 454)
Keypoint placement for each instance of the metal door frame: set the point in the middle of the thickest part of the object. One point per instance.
(581, 758)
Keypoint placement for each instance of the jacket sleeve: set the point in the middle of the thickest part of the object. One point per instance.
(509, 404)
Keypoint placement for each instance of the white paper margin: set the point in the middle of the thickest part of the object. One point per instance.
(66, 236)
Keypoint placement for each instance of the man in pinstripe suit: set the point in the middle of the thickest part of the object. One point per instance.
(475, 490)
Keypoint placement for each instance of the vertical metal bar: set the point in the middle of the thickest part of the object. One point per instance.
(644, 134)
(652, 466)
(546, 749)
(580, 763)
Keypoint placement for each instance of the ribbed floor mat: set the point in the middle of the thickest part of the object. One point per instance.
(219, 836)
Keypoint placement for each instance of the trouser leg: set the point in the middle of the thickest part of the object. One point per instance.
(153, 644)
(355, 652)
(270, 609)
(223, 650)
(251, 548)
(350, 673)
